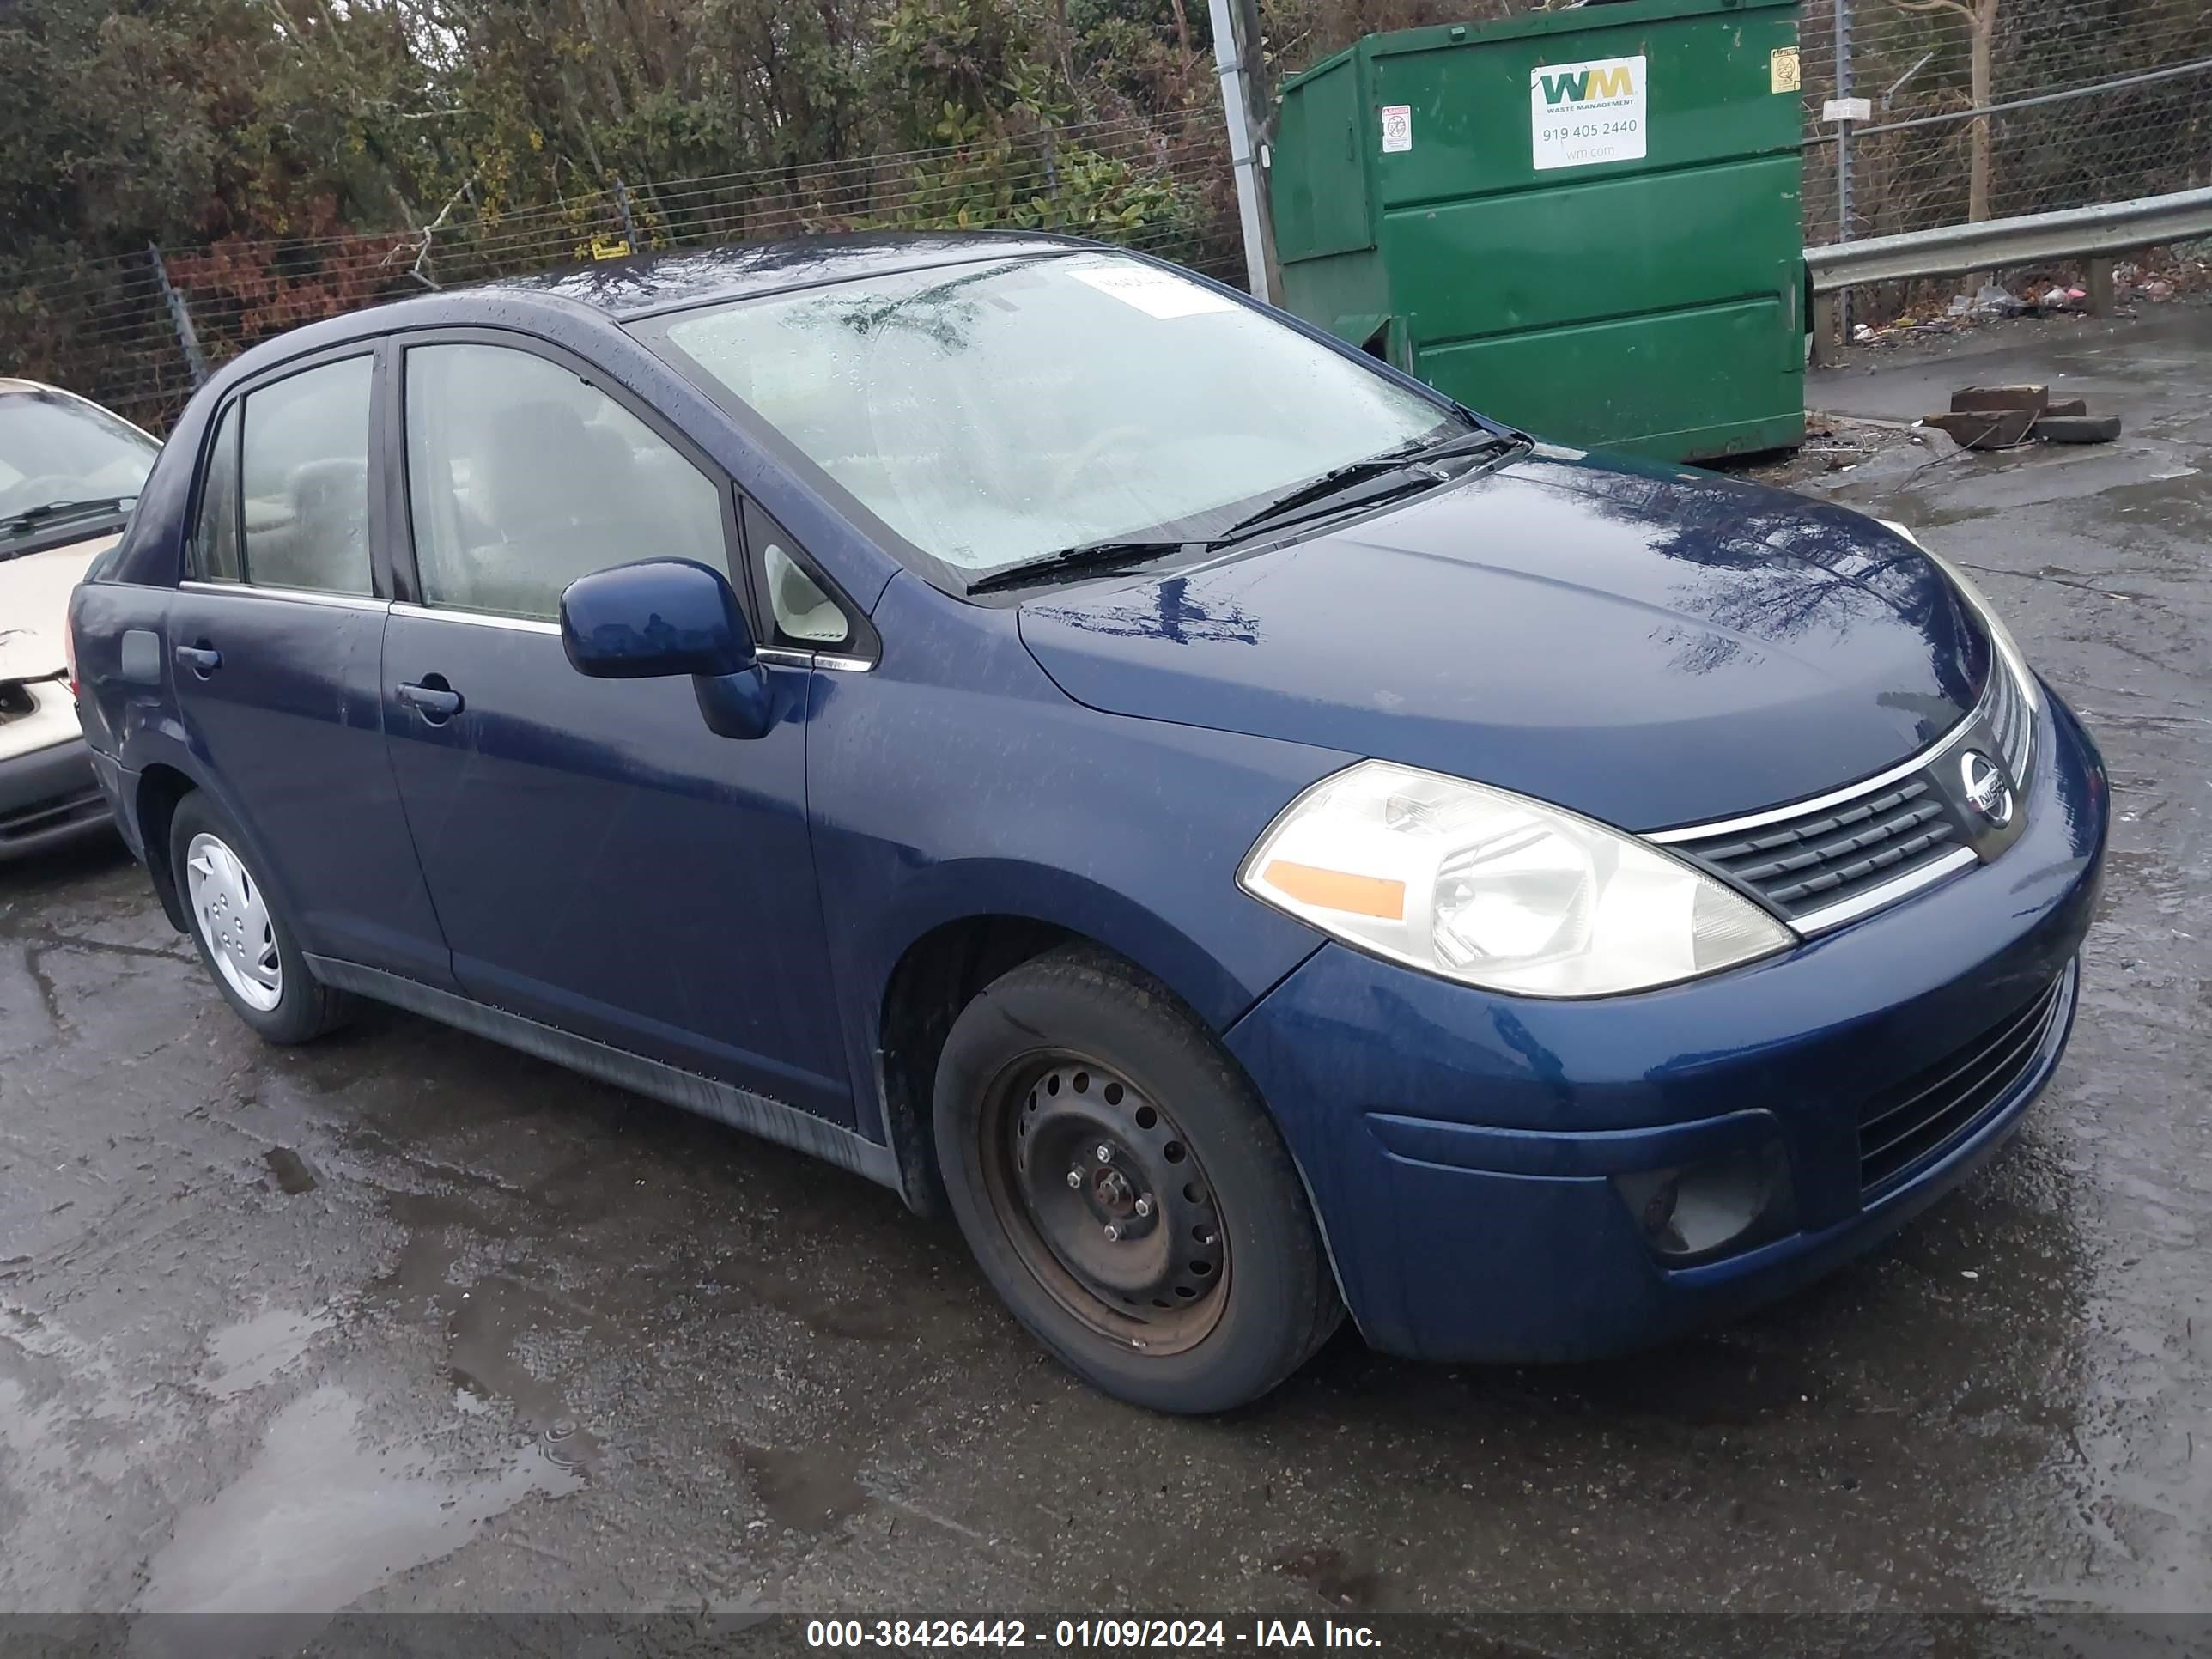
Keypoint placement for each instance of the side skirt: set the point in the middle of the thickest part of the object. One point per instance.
(725, 1103)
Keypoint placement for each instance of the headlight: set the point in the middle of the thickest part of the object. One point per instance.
(1495, 890)
(2021, 744)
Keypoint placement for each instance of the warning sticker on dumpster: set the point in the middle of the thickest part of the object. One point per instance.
(1584, 114)
(1397, 129)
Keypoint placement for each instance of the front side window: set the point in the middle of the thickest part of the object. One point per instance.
(522, 477)
(993, 412)
(303, 471)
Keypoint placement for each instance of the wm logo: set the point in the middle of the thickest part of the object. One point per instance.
(1618, 81)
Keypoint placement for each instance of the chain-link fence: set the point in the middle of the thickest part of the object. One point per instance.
(2088, 101)
(133, 333)
(2095, 101)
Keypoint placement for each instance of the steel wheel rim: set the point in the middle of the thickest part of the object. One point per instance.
(234, 923)
(1131, 1243)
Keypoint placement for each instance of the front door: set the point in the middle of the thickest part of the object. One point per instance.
(600, 860)
(274, 638)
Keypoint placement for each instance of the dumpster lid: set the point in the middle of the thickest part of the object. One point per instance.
(1593, 15)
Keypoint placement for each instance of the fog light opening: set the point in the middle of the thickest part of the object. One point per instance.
(1700, 1210)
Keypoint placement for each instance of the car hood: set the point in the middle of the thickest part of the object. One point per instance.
(1646, 644)
(34, 595)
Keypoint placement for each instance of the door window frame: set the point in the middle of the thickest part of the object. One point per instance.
(859, 654)
(192, 573)
(399, 510)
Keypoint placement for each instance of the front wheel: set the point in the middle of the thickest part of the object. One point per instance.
(1125, 1191)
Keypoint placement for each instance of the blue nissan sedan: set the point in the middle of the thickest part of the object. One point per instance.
(1252, 838)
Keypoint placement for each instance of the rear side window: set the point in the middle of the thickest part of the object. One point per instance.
(305, 478)
(215, 543)
(521, 477)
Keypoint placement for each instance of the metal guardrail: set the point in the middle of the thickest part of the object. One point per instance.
(1997, 244)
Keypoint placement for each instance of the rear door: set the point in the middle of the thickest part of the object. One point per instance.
(599, 860)
(274, 639)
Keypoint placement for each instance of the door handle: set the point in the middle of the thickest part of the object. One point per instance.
(203, 659)
(432, 698)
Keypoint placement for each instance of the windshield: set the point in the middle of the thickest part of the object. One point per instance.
(991, 413)
(55, 450)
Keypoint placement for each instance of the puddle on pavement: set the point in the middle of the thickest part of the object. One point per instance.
(495, 1324)
(487, 1327)
(291, 1170)
(321, 1517)
(245, 1355)
(813, 1491)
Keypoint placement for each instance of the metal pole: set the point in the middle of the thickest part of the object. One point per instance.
(1844, 129)
(180, 318)
(1844, 203)
(629, 228)
(1229, 60)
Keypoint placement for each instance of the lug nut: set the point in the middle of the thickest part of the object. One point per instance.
(1145, 1205)
(1075, 1177)
(1113, 1233)
(1105, 1153)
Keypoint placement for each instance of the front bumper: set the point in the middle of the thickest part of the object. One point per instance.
(1460, 1145)
(48, 796)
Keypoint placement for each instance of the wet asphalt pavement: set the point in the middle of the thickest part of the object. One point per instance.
(406, 1320)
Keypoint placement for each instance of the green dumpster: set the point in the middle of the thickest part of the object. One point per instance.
(1585, 222)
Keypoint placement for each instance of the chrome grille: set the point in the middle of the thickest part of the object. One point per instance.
(1805, 863)
(1832, 859)
(1908, 1127)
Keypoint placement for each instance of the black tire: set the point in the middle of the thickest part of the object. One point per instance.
(1083, 1015)
(304, 1008)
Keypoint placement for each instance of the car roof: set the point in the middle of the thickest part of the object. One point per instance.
(625, 290)
(638, 287)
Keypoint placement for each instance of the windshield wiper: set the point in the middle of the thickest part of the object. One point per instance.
(1087, 558)
(32, 518)
(1414, 460)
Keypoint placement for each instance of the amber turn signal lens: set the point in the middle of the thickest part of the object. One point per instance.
(1333, 889)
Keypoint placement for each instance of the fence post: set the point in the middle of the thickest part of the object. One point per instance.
(629, 226)
(180, 318)
(1844, 203)
(1826, 351)
(2104, 286)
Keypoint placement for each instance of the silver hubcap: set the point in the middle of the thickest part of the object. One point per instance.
(233, 919)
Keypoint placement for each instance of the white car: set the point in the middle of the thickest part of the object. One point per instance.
(70, 474)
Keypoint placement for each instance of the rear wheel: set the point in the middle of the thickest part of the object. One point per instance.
(1125, 1191)
(240, 930)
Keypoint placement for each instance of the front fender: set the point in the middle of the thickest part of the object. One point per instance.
(999, 795)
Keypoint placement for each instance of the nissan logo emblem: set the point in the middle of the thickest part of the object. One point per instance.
(1988, 790)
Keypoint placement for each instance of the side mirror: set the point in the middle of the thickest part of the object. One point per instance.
(662, 617)
(653, 620)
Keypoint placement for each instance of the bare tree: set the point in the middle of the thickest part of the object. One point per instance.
(1981, 17)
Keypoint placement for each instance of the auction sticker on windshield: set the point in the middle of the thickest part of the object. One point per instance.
(1584, 114)
(1156, 293)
